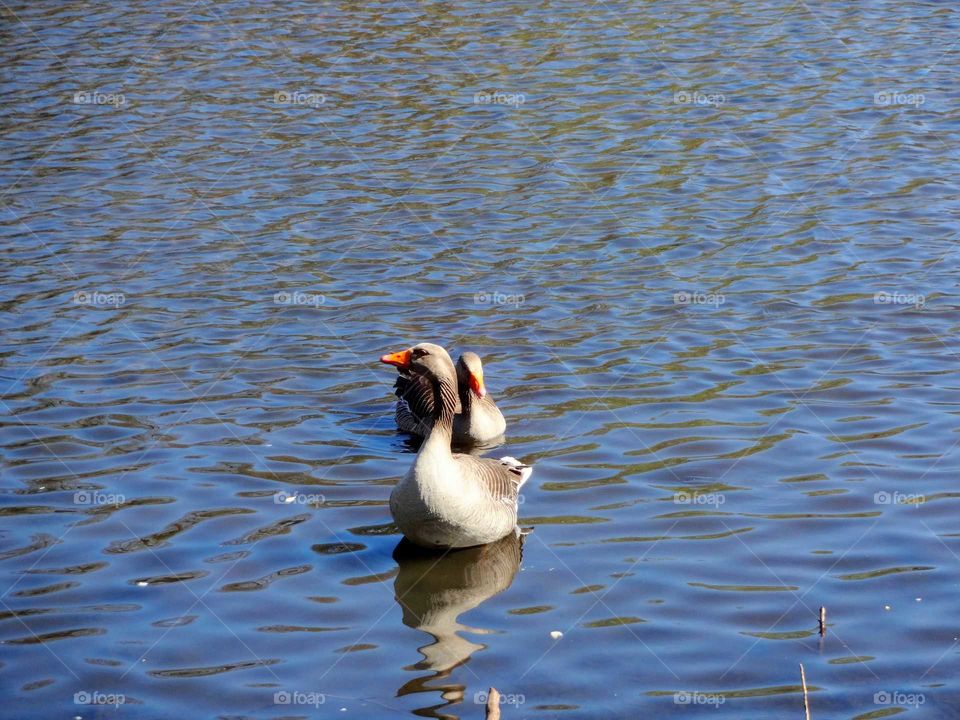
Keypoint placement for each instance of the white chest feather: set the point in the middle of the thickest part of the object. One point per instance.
(435, 505)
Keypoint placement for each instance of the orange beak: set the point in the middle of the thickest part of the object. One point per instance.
(399, 359)
(476, 384)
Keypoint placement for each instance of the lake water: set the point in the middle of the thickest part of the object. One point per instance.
(706, 250)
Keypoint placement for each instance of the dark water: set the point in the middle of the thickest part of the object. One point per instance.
(216, 216)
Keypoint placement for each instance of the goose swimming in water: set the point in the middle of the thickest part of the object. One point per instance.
(478, 421)
(449, 500)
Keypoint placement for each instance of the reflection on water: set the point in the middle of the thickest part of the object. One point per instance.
(434, 590)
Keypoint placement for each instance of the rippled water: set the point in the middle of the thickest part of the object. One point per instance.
(707, 251)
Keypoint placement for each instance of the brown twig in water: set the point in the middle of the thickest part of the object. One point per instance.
(806, 701)
(493, 704)
(823, 621)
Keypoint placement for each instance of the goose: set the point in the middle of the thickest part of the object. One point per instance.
(449, 500)
(479, 420)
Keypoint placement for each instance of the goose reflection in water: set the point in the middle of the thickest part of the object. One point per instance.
(434, 589)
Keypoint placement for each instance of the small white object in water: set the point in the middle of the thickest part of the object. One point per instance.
(919, 599)
(886, 607)
(556, 634)
(142, 583)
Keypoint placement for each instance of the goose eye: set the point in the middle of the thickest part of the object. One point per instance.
(418, 353)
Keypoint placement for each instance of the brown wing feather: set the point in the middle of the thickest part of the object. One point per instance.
(501, 481)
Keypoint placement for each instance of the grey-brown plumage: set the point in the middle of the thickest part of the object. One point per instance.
(502, 482)
(414, 404)
(479, 420)
(447, 499)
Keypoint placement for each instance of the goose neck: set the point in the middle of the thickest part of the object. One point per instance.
(466, 398)
(444, 404)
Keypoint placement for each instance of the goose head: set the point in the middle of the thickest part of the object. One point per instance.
(429, 361)
(470, 373)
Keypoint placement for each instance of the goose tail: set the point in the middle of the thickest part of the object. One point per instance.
(518, 468)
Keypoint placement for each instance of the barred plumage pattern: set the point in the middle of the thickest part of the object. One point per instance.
(478, 420)
(415, 405)
(502, 478)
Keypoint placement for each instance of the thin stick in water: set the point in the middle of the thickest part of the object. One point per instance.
(493, 704)
(823, 621)
(806, 700)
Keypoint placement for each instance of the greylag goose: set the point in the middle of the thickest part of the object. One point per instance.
(479, 419)
(449, 500)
